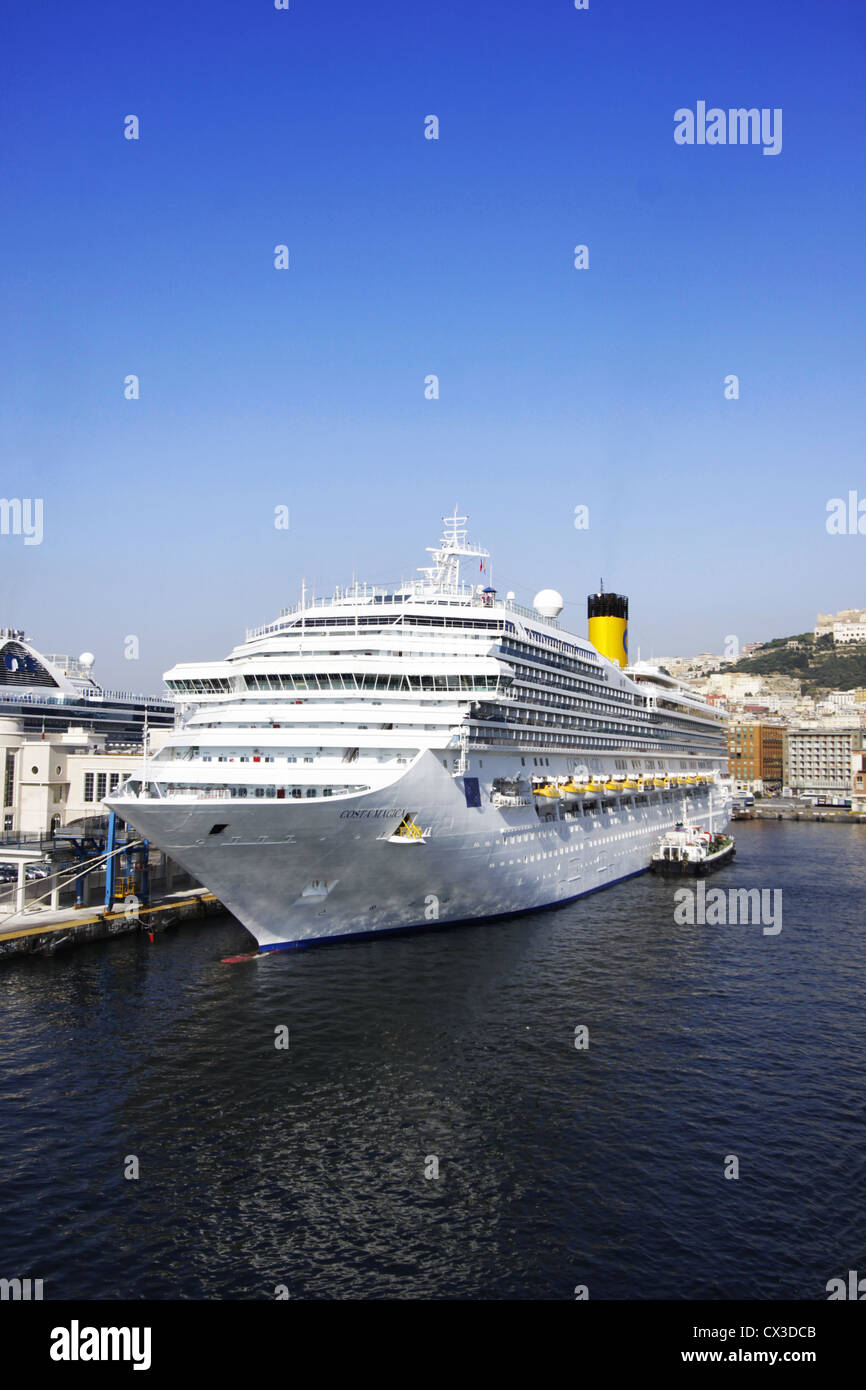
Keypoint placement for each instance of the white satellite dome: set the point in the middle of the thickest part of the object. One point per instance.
(87, 658)
(548, 603)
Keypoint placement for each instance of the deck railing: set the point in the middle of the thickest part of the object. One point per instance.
(464, 596)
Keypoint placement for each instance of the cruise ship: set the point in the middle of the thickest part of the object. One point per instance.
(47, 695)
(387, 759)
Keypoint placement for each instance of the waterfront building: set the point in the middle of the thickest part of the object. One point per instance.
(49, 783)
(755, 752)
(818, 758)
(858, 780)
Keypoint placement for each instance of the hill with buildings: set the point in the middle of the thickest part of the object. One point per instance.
(820, 664)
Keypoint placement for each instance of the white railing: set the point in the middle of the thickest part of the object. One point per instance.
(52, 697)
(97, 694)
(464, 595)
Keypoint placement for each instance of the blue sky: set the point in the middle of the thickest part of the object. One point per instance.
(305, 387)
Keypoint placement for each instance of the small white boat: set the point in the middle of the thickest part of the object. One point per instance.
(687, 849)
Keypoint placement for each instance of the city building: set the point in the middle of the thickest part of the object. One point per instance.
(756, 755)
(737, 685)
(818, 758)
(847, 699)
(848, 625)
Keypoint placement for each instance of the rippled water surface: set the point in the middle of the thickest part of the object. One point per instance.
(557, 1167)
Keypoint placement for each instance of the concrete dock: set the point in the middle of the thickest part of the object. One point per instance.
(779, 809)
(43, 931)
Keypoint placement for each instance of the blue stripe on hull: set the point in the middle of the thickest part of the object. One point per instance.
(434, 926)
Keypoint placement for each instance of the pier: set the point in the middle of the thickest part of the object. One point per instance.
(41, 931)
(795, 810)
(96, 881)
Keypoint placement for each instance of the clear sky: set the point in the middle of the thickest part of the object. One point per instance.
(304, 387)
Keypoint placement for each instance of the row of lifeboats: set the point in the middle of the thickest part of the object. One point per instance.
(567, 790)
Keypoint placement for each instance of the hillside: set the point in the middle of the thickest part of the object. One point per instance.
(819, 666)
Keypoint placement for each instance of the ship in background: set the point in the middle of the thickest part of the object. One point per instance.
(47, 694)
(387, 759)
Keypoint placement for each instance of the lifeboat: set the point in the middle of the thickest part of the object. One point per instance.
(548, 790)
(659, 781)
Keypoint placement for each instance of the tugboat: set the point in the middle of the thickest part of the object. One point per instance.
(687, 849)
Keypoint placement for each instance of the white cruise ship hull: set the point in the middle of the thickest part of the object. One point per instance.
(297, 872)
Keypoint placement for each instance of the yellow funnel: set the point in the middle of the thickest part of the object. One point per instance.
(608, 626)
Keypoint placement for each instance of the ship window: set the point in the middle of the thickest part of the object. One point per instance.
(217, 829)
